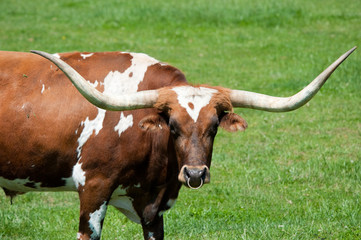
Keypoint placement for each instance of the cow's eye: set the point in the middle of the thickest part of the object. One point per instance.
(213, 130)
(173, 129)
(213, 127)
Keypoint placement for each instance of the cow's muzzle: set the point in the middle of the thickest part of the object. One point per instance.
(194, 176)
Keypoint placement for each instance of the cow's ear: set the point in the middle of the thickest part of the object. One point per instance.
(232, 122)
(152, 122)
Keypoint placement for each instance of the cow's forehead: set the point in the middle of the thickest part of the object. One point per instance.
(194, 99)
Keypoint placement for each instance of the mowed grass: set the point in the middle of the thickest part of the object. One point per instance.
(288, 176)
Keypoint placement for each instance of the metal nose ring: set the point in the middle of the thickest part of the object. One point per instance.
(195, 187)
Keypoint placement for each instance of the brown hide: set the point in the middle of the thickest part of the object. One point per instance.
(43, 117)
(42, 126)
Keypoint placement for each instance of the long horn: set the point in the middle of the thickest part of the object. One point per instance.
(245, 99)
(143, 99)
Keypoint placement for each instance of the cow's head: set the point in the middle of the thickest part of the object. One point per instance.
(193, 114)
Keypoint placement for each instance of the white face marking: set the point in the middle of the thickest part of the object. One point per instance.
(124, 123)
(84, 56)
(42, 90)
(196, 97)
(78, 175)
(95, 221)
(115, 84)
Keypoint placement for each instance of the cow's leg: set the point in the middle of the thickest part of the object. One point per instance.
(153, 230)
(93, 206)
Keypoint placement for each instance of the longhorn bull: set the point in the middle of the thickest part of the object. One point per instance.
(143, 132)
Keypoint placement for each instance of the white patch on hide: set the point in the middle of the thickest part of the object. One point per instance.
(84, 56)
(124, 123)
(78, 175)
(90, 127)
(95, 84)
(151, 236)
(198, 97)
(26, 185)
(16, 184)
(120, 191)
(115, 84)
(43, 89)
(124, 204)
(95, 221)
(78, 235)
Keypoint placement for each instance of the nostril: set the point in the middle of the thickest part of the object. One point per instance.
(186, 172)
(203, 173)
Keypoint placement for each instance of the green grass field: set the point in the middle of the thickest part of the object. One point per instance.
(288, 176)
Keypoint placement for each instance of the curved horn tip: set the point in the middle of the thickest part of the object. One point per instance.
(351, 50)
(276, 104)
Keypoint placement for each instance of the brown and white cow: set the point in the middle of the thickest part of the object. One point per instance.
(143, 132)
